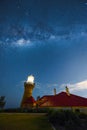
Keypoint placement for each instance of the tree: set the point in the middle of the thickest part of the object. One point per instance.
(2, 102)
(37, 102)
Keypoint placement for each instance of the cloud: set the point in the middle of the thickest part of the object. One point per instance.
(51, 85)
(46, 89)
(80, 86)
(21, 83)
(38, 85)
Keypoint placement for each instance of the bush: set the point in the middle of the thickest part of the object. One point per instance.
(70, 125)
(56, 116)
(62, 118)
(70, 115)
(82, 116)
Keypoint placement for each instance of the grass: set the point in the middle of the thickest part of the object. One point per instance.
(24, 121)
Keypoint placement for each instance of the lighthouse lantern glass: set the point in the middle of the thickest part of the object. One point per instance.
(30, 79)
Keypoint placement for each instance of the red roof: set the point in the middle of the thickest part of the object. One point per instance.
(29, 100)
(63, 100)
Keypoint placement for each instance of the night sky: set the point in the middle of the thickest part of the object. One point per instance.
(45, 38)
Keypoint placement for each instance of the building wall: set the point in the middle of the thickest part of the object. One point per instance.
(80, 109)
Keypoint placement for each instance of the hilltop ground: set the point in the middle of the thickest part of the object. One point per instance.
(24, 121)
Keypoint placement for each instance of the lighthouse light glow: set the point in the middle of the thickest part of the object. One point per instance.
(30, 79)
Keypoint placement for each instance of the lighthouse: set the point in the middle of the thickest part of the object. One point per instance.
(28, 100)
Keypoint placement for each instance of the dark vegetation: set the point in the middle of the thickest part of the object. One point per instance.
(68, 120)
(2, 102)
(20, 110)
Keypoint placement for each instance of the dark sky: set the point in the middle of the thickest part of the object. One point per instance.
(45, 38)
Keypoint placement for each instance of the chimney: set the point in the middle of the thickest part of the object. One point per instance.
(67, 91)
(54, 91)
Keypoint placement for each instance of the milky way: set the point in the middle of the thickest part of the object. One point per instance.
(25, 23)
